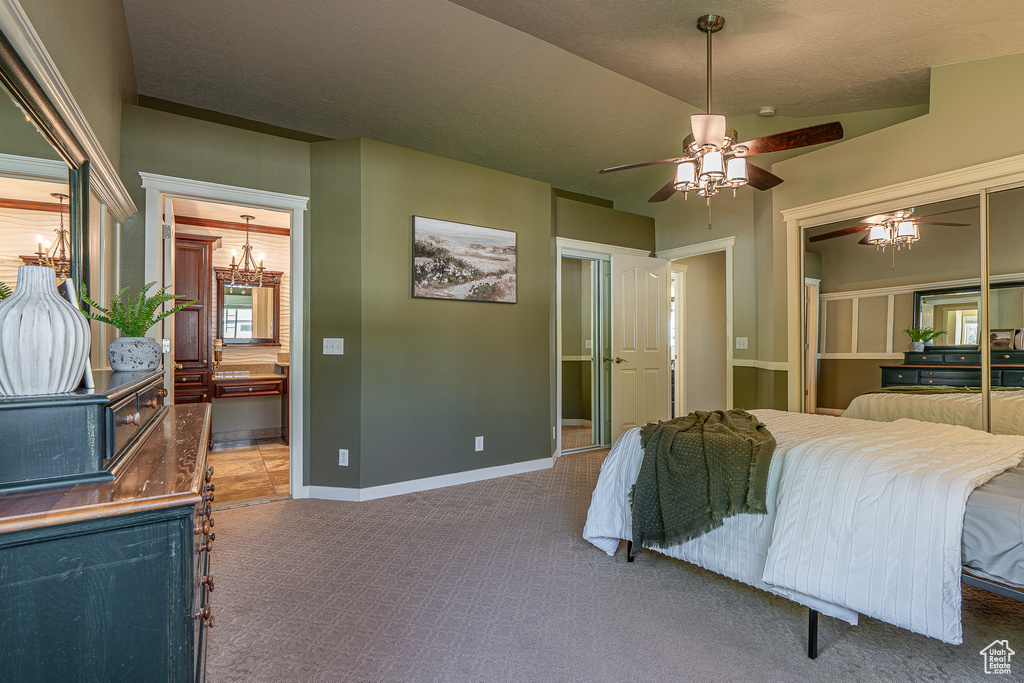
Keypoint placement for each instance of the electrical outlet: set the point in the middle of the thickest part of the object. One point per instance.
(342, 457)
(334, 346)
(479, 443)
(587, 344)
(741, 343)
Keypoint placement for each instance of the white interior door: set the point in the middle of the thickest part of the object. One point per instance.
(165, 330)
(640, 344)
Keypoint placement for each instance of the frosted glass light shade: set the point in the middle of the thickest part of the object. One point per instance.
(686, 174)
(736, 171)
(711, 166)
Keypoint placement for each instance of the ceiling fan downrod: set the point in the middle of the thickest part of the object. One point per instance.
(710, 23)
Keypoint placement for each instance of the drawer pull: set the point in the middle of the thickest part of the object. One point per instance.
(1006, 356)
(207, 581)
(961, 358)
(929, 381)
(201, 527)
(151, 403)
(900, 376)
(135, 419)
(206, 546)
(210, 487)
(162, 393)
(209, 473)
(930, 374)
(203, 613)
(210, 621)
(924, 357)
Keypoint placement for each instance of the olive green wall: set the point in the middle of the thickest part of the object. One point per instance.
(582, 221)
(19, 136)
(167, 144)
(332, 407)
(438, 373)
(88, 42)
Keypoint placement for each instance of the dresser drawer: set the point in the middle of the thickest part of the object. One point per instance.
(186, 378)
(1011, 378)
(1007, 357)
(961, 358)
(898, 376)
(268, 387)
(127, 421)
(922, 358)
(950, 378)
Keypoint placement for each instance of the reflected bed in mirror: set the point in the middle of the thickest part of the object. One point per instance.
(248, 314)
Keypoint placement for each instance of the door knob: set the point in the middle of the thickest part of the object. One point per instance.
(619, 360)
(178, 366)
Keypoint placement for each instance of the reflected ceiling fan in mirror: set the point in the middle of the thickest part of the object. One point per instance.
(713, 159)
(896, 229)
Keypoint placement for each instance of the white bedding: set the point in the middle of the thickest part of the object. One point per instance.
(848, 578)
(954, 409)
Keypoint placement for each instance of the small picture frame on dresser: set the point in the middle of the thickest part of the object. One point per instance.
(1003, 339)
(1018, 339)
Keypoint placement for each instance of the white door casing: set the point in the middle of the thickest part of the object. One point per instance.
(167, 280)
(640, 380)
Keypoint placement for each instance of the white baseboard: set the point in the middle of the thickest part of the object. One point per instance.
(577, 423)
(425, 484)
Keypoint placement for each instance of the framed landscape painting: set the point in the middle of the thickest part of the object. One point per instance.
(462, 262)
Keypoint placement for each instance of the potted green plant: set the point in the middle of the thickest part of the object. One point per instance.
(919, 336)
(134, 351)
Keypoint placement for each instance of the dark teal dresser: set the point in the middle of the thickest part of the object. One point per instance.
(956, 367)
(109, 580)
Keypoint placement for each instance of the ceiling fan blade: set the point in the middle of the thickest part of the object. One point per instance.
(801, 137)
(840, 233)
(664, 193)
(673, 160)
(957, 225)
(941, 213)
(760, 179)
(708, 129)
(864, 240)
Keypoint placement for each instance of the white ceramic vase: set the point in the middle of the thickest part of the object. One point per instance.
(44, 339)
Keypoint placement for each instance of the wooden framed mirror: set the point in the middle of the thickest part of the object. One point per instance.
(248, 314)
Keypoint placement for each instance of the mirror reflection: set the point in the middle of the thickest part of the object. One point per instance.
(248, 314)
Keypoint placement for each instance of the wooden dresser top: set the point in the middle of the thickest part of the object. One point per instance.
(165, 471)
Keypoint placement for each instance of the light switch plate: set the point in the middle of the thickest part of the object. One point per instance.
(334, 346)
(741, 343)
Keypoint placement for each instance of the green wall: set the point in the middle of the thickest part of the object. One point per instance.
(582, 221)
(20, 137)
(438, 373)
(167, 144)
(88, 42)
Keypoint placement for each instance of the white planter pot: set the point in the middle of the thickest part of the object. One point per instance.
(44, 339)
(134, 354)
(918, 347)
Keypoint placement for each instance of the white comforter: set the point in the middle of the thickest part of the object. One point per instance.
(862, 517)
(954, 409)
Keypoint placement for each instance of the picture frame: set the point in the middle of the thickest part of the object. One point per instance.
(462, 262)
(1002, 339)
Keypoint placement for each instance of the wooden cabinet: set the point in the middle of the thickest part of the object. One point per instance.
(193, 270)
(111, 580)
(946, 366)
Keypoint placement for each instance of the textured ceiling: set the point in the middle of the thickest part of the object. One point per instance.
(548, 89)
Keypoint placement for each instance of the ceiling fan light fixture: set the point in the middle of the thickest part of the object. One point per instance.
(878, 235)
(711, 168)
(736, 171)
(906, 232)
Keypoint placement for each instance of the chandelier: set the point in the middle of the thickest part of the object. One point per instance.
(55, 254)
(895, 230)
(246, 270)
(713, 160)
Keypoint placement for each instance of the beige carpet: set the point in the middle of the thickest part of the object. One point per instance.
(492, 581)
(577, 436)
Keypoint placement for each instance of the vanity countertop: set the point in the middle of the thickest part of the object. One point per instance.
(252, 371)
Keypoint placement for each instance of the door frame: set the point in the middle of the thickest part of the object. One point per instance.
(158, 186)
(726, 244)
(677, 273)
(565, 246)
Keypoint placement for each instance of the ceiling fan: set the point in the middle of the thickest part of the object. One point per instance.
(895, 229)
(713, 160)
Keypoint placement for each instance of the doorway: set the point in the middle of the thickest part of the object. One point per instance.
(699, 319)
(586, 353)
(163, 195)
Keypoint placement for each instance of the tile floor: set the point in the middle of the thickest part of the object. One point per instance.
(247, 472)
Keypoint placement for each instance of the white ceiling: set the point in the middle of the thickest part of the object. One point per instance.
(228, 212)
(31, 190)
(549, 89)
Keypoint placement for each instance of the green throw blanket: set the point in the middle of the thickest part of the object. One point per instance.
(697, 470)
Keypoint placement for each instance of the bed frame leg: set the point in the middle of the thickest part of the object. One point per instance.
(629, 551)
(812, 634)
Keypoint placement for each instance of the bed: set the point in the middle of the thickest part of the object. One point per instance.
(960, 407)
(840, 537)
